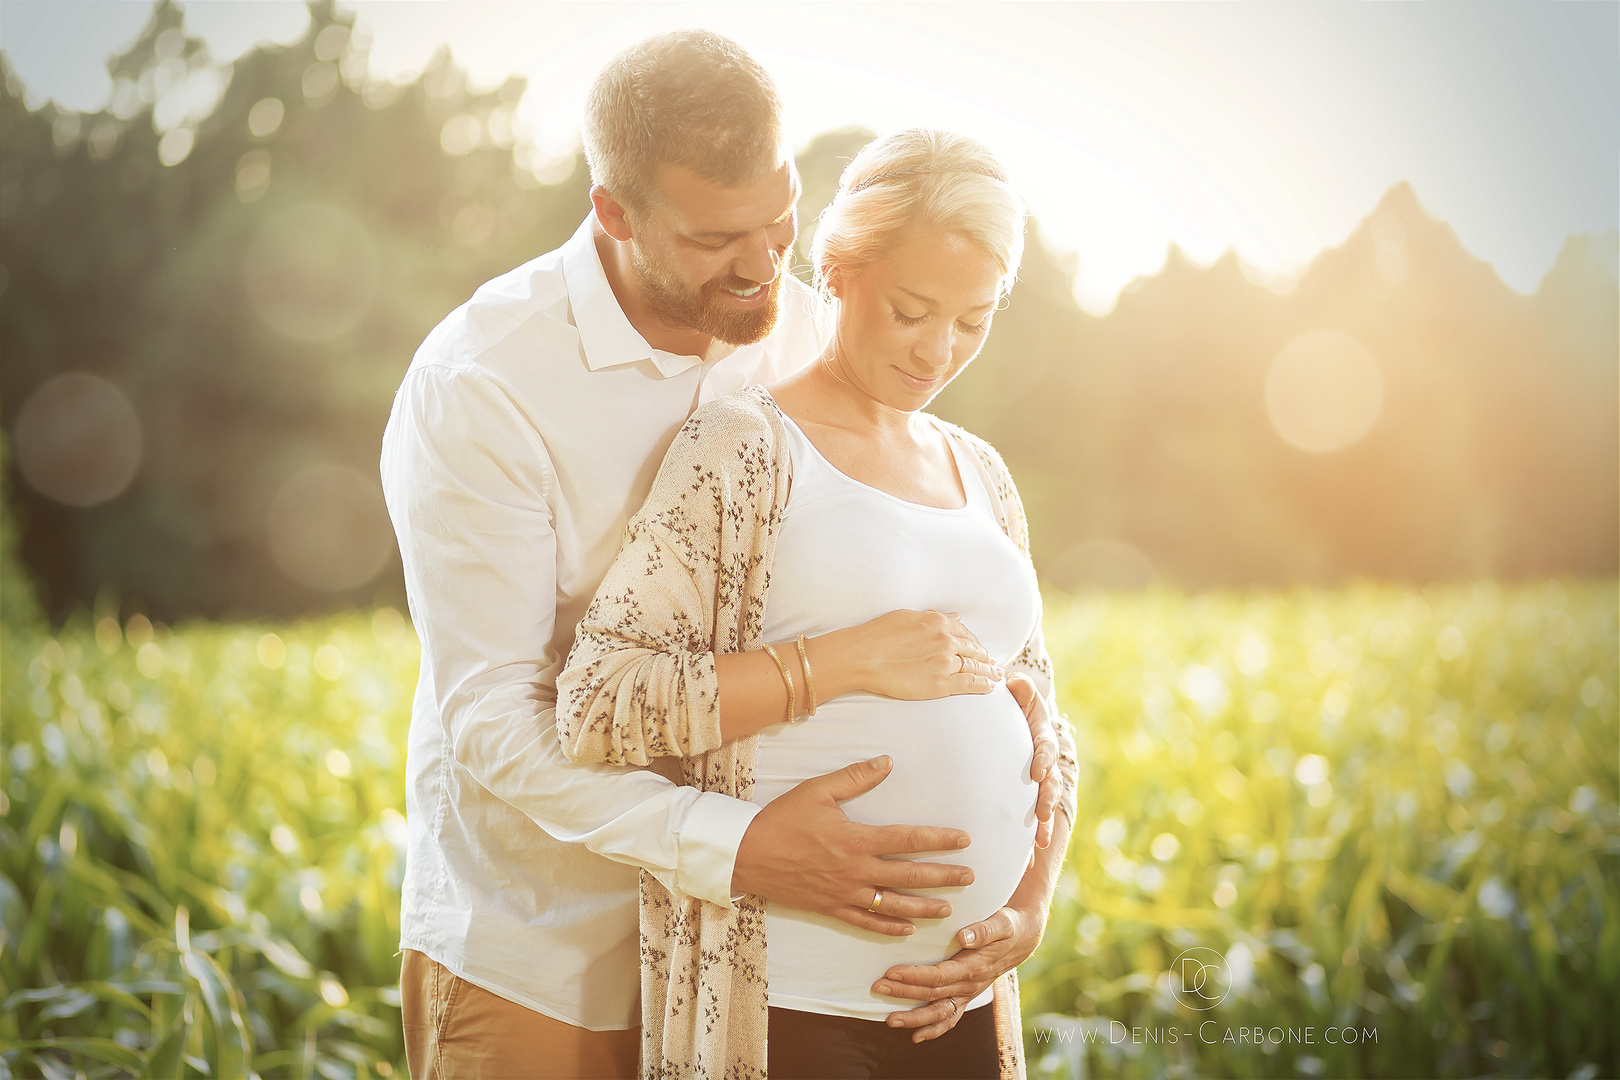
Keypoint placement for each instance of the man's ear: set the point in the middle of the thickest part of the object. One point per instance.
(610, 213)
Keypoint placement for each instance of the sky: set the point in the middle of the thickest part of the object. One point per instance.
(1272, 129)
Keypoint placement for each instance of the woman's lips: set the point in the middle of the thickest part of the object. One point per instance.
(917, 383)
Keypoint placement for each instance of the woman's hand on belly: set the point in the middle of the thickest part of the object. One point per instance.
(907, 655)
(1041, 770)
(993, 946)
(912, 656)
(1002, 942)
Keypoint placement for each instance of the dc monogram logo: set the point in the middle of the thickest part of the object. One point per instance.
(1199, 978)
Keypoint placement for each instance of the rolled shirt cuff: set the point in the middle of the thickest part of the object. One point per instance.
(707, 847)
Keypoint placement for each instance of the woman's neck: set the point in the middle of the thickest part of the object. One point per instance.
(825, 394)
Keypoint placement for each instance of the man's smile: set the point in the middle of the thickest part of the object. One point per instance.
(751, 296)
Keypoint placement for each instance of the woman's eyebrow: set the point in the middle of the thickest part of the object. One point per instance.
(935, 303)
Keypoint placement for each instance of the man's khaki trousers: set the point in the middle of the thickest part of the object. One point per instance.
(454, 1029)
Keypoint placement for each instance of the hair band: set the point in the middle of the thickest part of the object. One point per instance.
(922, 170)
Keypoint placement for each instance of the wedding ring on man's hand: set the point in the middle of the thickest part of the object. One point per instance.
(877, 900)
(963, 669)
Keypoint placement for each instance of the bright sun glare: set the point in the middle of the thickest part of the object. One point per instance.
(1267, 129)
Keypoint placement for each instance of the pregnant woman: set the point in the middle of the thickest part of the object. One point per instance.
(824, 574)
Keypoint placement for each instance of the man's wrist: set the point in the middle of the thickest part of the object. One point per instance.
(707, 847)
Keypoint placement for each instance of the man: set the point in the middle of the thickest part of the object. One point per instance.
(527, 430)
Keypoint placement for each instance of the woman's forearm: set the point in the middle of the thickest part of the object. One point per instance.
(1035, 889)
(910, 655)
(753, 694)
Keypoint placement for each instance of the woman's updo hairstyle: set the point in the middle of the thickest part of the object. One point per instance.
(919, 179)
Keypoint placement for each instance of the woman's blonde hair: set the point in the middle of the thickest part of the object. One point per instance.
(919, 179)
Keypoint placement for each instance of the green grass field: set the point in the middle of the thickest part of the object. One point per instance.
(1392, 813)
(1386, 811)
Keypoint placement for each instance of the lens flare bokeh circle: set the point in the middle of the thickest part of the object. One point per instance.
(78, 440)
(311, 272)
(1324, 391)
(328, 528)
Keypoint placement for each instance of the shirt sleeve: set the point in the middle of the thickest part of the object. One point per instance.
(466, 478)
(640, 683)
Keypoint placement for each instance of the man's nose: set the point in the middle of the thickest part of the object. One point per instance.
(759, 259)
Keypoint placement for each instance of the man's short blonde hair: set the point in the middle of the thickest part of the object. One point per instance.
(920, 179)
(689, 98)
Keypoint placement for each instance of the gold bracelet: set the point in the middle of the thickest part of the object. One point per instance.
(793, 697)
(809, 679)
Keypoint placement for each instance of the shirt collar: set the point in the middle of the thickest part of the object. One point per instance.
(605, 333)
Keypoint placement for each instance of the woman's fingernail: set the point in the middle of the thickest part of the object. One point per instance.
(883, 988)
(969, 937)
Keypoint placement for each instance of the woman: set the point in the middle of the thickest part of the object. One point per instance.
(886, 553)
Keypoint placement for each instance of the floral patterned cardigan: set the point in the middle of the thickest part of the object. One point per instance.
(640, 689)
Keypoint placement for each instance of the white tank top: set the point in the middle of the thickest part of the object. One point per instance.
(847, 553)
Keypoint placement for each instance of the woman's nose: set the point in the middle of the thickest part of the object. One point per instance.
(935, 346)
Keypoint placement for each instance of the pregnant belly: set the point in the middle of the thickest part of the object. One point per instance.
(960, 762)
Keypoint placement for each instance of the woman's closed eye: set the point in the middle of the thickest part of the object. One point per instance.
(909, 320)
(917, 320)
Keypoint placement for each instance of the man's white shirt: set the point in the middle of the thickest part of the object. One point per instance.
(528, 429)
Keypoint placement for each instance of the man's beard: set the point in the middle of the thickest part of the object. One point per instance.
(705, 311)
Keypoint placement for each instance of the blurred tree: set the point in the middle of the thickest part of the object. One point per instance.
(19, 609)
(249, 254)
(1491, 453)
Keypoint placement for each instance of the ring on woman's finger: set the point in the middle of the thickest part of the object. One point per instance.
(877, 900)
(955, 1008)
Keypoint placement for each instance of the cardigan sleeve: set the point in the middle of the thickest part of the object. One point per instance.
(1033, 660)
(640, 681)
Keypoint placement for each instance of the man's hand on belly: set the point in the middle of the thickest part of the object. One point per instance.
(801, 851)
